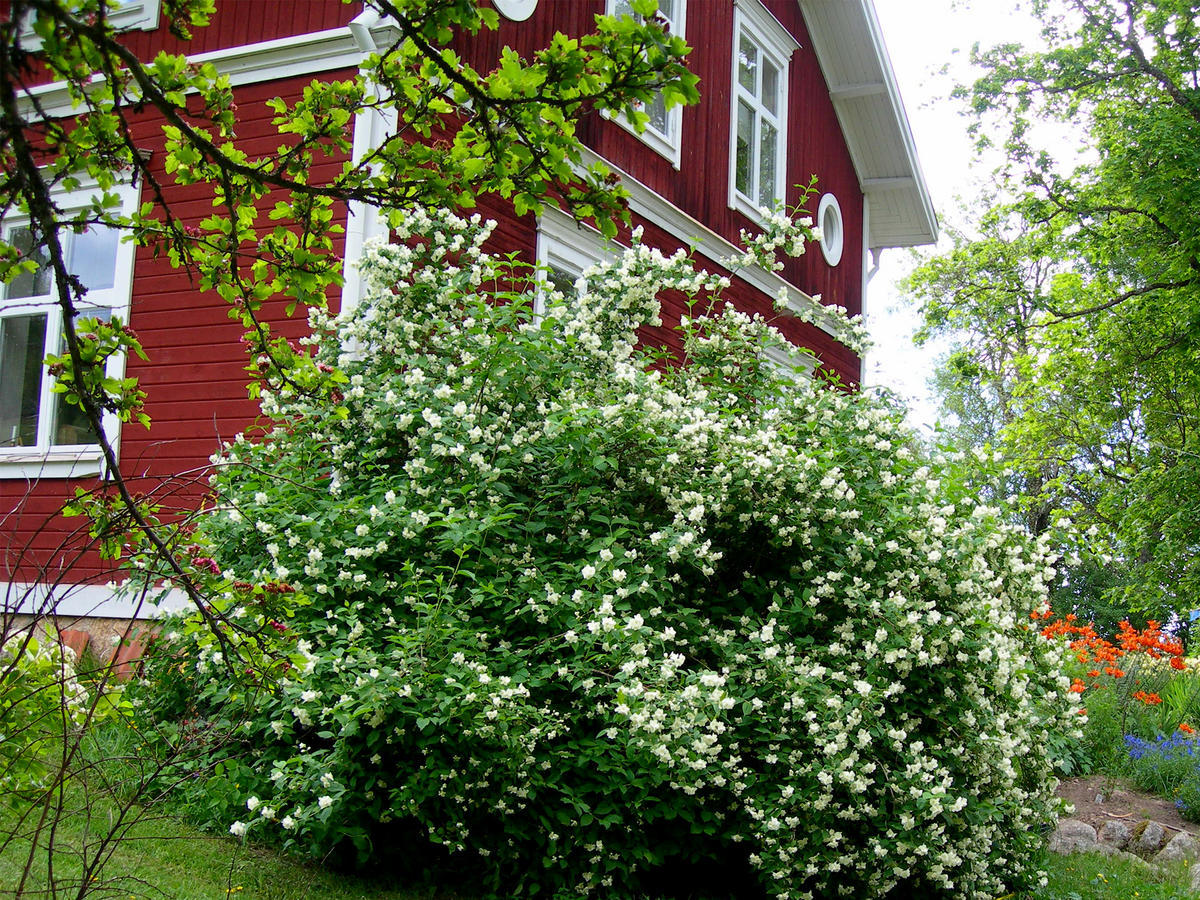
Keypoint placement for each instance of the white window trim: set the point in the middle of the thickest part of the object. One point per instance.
(77, 461)
(563, 243)
(133, 15)
(773, 39)
(515, 10)
(669, 145)
(829, 212)
(70, 601)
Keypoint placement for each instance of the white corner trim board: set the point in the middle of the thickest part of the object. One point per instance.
(80, 600)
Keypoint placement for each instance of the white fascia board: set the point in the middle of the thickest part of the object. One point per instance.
(87, 600)
(653, 207)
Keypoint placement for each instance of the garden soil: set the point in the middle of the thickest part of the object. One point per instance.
(1099, 798)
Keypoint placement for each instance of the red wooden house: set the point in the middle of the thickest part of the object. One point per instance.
(790, 89)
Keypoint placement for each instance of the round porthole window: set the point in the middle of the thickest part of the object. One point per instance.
(516, 10)
(829, 229)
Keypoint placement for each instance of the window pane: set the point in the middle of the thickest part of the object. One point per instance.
(770, 87)
(29, 284)
(747, 64)
(666, 10)
(563, 280)
(71, 425)
(22, 349)
(767, 168)
(93, 257)
(745, 149)
(656, 109)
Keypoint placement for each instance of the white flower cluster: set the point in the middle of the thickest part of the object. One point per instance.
(539, 594)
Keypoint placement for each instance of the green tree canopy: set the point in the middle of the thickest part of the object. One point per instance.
(1075, 306)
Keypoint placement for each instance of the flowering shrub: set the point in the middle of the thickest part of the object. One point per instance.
(40, 702)
(519, 605)
(1137, 685)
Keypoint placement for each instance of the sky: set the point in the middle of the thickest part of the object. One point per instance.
(929, 43)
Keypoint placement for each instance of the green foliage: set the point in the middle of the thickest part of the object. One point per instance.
(1075, 304)
(40, 704)
(516, 606)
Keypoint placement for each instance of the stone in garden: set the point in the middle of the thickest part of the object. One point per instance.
(1072, 835)
(1182, 846)
(1115, 834)
(1131, 858)
(1194, 871)
(1148, 837)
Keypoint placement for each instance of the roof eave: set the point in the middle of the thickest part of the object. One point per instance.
(851, 52)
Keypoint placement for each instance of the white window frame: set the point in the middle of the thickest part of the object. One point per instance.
(569, 246)
(831, 229)
(135, 15)
(667, 144)
(752, 21)
(123, 15)
(44, 459)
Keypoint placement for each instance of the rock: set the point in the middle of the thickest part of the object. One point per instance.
(1115, 834)
(1147, 838)
(1131, 858)
(1182, 846)
(1071, 835)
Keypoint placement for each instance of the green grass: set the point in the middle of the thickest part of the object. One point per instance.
(162, 858)
(1090, 876)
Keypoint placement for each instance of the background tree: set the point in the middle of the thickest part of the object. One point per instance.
(1076, 306)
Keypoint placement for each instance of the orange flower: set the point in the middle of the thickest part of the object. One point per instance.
(1177, 663)
(1094, 673)
(1148, 699)
(1077, 687)
(1186, 728)
(1114, 672)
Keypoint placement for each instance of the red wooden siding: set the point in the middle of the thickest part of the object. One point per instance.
(195, 377)
(700, 187)
(239, 22)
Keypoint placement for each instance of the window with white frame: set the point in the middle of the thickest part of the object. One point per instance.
(762, 49)
(565, 250)
(662, 131)
(127, 15)
(40, 433)
(123, 15)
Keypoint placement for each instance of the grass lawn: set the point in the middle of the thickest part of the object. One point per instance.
(160, 857)
(1090, 876)
(163, 858)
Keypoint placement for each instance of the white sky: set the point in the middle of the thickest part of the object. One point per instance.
(929, 42)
